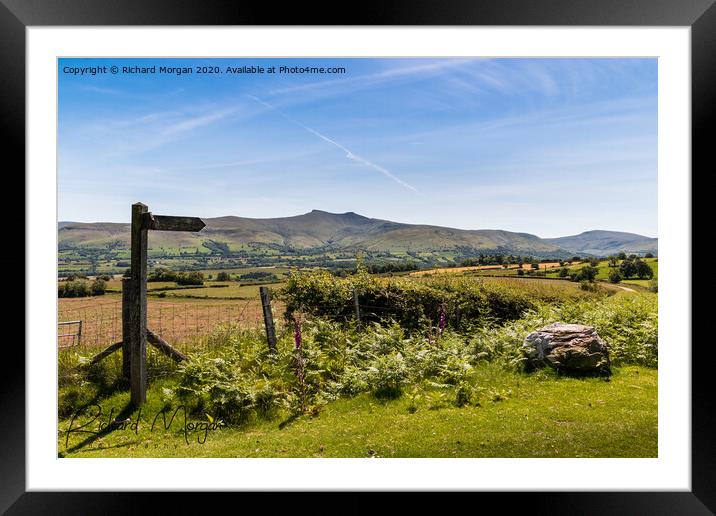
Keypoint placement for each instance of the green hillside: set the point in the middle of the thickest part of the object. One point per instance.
(604, 243)
(317, 238)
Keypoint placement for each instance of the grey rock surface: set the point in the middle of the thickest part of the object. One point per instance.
(569, 348)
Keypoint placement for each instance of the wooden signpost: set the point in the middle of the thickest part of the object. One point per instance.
(135, 333)
(136, 322)
(268, 318)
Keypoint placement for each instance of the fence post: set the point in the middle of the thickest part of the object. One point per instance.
(79, 334)
(268, 318)
(138, 307)
(126, 329)
(357, 308)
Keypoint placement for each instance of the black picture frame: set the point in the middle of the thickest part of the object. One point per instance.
(700, 15)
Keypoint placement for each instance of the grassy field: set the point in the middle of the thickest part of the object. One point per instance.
(214, 290)
(395, 387)
(510, 269)
(604, 268)
(518, 416)
(550, 269)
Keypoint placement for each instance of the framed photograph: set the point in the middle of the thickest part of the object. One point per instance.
(429, 249)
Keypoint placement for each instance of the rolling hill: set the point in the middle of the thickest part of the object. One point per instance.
(324, 232)
(603, 243)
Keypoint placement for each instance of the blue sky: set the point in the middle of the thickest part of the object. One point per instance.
(551, 147)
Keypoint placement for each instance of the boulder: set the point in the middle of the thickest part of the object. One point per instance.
(569, 348)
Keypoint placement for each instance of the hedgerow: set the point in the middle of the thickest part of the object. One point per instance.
(412, 302)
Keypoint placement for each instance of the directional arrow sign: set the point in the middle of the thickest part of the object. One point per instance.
(169, 223)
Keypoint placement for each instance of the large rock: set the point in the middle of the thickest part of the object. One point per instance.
(570, 348)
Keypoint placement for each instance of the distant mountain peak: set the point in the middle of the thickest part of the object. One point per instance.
(347, 213)
(601, 242)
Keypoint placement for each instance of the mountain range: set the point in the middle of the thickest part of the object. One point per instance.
(350, 232)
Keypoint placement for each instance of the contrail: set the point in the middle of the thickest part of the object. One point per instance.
(349, 154)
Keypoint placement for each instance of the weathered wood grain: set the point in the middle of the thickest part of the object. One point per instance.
(138, 307)
(171, 223)
(164, 347)
(268, 318)
(126, 329)
(105, 352)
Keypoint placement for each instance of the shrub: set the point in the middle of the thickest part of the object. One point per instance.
(588, 273)
(386, 375)
(98, 287)
(190, 278)
(627, 268)
(223, 276)
(76, 288)
(589, 286)
(75, 277)
(615, 276)
(162, 274)
(214, 385)
(258, 275)
(643, 270)
(636, 267)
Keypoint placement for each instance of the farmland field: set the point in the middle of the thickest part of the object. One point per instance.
(180, 320)
(513, 267)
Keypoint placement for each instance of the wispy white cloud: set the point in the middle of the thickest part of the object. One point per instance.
(99, 89)
(152, 130)
(349, 153)
(193, 122)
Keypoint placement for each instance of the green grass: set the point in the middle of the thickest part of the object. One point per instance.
(518, 415)
(604, 269)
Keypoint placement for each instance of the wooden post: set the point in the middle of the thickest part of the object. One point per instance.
(138, 307)
(268, 318)
(164, 347)
(126, 329)
(357, 307)
(106, 352)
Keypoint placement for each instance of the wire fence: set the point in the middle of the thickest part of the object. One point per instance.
(93, 323)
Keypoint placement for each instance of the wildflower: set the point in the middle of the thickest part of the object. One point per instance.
(299, 363)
